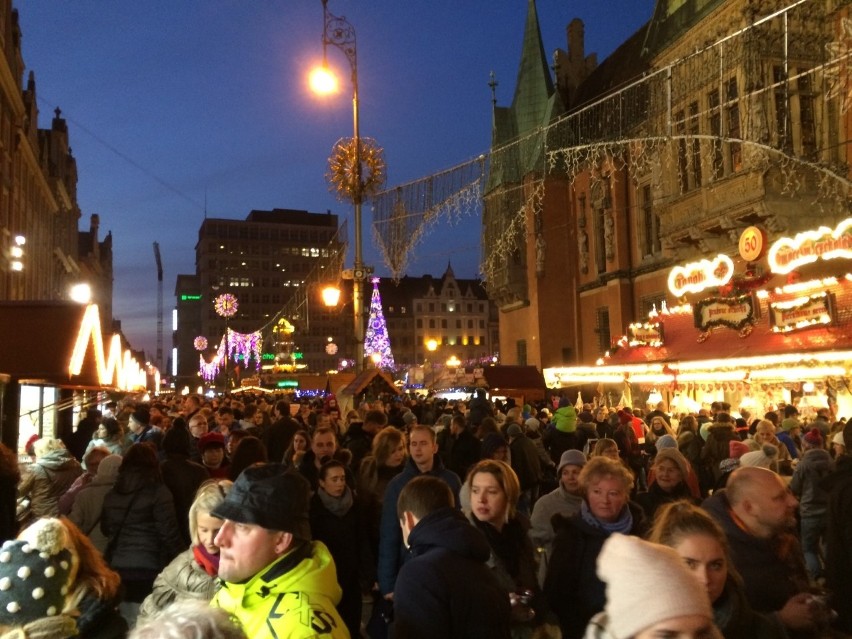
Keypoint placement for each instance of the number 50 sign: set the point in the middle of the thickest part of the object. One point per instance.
(752, 244)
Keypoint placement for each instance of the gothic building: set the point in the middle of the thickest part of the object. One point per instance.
(715, 116)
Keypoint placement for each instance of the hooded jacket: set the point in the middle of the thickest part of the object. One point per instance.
(86, 512)
(391, 551)
(813, 467)
(446, 589)
(182, 580)
(47, 480)
(292, 598)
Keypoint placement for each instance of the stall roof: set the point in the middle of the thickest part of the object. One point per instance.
(37, 339)
(513, 377)
(365, 378)
(680, 340)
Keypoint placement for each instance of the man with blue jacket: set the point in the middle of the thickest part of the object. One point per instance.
(423, 460)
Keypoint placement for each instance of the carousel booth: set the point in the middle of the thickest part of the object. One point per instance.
(773, 326)
(58, 364)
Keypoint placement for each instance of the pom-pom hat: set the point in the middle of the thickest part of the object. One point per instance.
(35, 574)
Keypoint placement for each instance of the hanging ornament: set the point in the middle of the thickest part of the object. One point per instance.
(200, 343)
(226, 305)
(343, 174)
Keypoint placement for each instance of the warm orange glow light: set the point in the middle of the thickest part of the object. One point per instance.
(322, 81)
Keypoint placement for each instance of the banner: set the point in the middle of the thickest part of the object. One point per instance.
(816, 310)
(731, 312)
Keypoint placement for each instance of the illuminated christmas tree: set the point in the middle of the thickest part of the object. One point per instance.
(376, 342)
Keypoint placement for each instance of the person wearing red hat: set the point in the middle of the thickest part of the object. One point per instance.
(213, 457)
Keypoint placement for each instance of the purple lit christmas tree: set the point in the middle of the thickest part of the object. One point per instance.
(376, 343)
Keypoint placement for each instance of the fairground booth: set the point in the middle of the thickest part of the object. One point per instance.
(56, 364)
(772, 325)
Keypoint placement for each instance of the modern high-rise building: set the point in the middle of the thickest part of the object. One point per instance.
(271, 262)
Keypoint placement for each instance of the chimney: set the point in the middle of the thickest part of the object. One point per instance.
(576, 42)
(94, 226)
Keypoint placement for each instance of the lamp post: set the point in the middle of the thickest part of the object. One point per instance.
(338, 32)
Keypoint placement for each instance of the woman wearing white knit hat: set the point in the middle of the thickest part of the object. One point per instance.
(632, 568)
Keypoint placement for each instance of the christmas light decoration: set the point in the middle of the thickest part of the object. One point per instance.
(343, 177)
(226, 305)
(245, 346)
(376, 340)
(200, 343)
(837, 71)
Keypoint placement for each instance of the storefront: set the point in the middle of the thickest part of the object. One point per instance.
(58, 364)
(772, 326)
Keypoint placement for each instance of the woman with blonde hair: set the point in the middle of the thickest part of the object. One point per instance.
(386, 461)
(494, 492)
(702, 544)
(192, 574)
(605, 485)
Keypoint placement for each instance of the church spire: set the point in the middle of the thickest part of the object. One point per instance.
(535, 85)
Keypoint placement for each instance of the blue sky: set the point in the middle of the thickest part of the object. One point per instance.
(171, 105)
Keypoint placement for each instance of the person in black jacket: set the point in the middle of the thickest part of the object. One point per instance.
(181, 476)
(9, 477)
(279, 434)
(446, 589)
(359, 436)
(139, 520)
(337, 520)
(460, 449)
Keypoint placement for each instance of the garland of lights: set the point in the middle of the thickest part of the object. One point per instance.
(226, 305)
(343, 173)
(245, 346)
(200, 343)
(629, 131)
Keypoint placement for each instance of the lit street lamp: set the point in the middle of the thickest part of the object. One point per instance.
(339, 33)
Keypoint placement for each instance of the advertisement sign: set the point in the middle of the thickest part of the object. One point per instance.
(699, 276)
(645, 334)
(804, 312)
(752, 244)
(732, 312)
(788, 254)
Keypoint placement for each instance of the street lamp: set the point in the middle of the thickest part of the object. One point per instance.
(339, 33)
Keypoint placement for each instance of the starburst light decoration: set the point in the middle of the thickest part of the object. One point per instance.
(376, 341)
(200, 343)
(226, 305)
(342, 175)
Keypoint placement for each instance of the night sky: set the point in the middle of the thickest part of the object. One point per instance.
(177, 108)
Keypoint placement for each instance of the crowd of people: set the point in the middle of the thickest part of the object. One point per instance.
(256, 516)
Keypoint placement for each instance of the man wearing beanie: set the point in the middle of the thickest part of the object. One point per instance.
(565, 500)
(813, 467)
(276, 581)
(758, 514)
(649, 593)
(140, 427)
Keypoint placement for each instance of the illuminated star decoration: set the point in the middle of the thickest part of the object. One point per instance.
(837, 71)
(342, 176)
(226, 305)
(376, 340)
(200, 343)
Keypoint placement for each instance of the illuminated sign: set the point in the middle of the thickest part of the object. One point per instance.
(288, 383)
(699, 276)
(645, 334)
(267, 356)
(804, 312)
(119, 369)
(190, 298)
(752, 244)
(298, 355)
(787, 254)
(733, 312)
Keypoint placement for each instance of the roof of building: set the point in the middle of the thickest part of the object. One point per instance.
(280, 216)
(37, 342)
(378, 379)
(669, 24)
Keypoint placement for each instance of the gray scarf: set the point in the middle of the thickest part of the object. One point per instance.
(337, 506)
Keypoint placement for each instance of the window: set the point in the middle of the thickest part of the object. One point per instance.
(443, 308)
(521, 348)
(602, 329)
(458, 323)
(649, 302)
(431, 323)
(419, 323)
(716, 132)
(650, 224)
(443, 323)
(431, 307)
(469, 323)
(735, 152)
(402, 310)
(481, 308)
(481, 323)
(692, 127)
(806, 115)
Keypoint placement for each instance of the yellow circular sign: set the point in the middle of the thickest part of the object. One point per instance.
(752, 244)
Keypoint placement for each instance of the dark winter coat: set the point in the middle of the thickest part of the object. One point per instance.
(737, 620)
(655, 497)
(572, 586)
(100, 619)
(717, 448)
(183, 477)
(838, 541)
(556, 442)
(813, 467)
(358, 442)
(278, 436)
(446, 590)
(773, 570)
(372, 495)
(139, 513)
(462, 451)
(478, 409)
(8, 506)
(345, 536)
(525, 462)
(391, 550)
